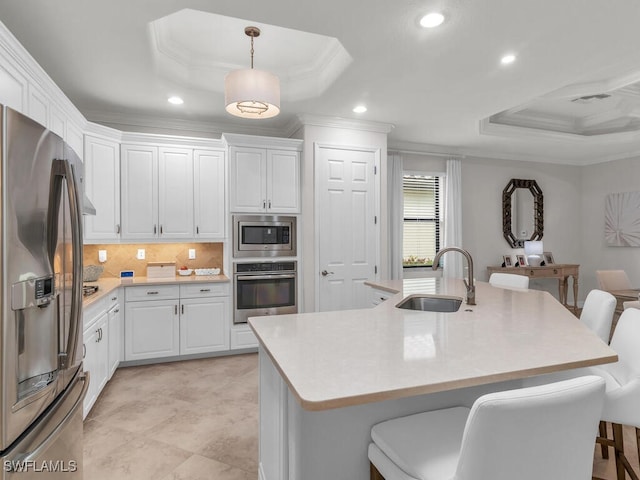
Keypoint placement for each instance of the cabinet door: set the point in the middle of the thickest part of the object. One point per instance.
(247, 185)
(209, 194)
(102, 184)
(283, 181)
(175, 193)
(139, 192)
(96, 360)
(204, 325)
(114, 328)
(152, 329)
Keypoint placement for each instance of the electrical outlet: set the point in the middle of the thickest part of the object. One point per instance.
(140, 255)
(192, 254)
(102, 256)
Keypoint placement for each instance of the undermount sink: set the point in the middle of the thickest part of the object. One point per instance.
(430, 303)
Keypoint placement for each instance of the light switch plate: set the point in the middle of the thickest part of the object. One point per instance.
(140, 255)
(192, 254)
(102, 256)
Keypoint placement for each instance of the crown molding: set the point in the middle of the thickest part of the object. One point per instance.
(163, 125)
(171, 140)
(339, 122)
(259, 141)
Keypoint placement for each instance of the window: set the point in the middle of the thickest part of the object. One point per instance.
(421, 230)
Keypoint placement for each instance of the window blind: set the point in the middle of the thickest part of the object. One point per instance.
(421, 230)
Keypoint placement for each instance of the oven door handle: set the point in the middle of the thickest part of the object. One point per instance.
(263, 277)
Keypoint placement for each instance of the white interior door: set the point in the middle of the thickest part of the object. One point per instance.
(347, 230)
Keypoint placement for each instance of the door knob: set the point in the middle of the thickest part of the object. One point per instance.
(325, 273)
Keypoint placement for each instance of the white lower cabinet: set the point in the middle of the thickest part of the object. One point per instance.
(188, 319)
(115, 328)
(203, 325)
(98, 342)
(152, 329)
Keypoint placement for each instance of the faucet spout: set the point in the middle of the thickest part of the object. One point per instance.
(469, 283)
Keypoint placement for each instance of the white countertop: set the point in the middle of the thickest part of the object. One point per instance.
(337, 359)
(107, 285)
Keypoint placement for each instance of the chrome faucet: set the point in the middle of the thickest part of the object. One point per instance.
(471, 288)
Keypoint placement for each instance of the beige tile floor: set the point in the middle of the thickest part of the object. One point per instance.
(195, 420)
(189, 420)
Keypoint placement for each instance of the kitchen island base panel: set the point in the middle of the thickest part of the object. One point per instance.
(316, 445)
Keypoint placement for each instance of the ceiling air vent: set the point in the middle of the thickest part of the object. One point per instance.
(591, 98)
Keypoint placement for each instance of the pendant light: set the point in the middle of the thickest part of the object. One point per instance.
(251, 93)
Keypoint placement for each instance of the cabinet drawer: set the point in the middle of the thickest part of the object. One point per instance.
(204, 290)
(152, 292)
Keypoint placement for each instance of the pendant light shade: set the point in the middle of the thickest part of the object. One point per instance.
(251, 93)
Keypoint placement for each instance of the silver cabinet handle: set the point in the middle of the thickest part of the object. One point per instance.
(182, 309)
(325, 273)
(154, 229)
(116, 310)
(113, 299)
(84, 351)
(264, 204)
(153, 293)
(175, 309)
(269, 203)
(117, 228)
(160, 229)
(197, 230)
(205, 289)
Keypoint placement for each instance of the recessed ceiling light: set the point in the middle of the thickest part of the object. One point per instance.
(508, 59)
(359, 109)
(432, 20)
(175, 100)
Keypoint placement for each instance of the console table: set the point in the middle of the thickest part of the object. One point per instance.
(556, 270)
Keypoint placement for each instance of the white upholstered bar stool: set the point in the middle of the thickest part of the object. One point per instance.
(622, 397)
(541, 432)
(597, 313)
(507, 280)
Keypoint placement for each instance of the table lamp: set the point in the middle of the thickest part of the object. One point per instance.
(533, 250)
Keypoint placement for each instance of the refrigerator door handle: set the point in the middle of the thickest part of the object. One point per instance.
(63, 170)
(36, 452)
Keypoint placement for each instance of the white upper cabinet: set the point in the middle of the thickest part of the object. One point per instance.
(283, 181)
(102, 185)
(209, 194)
(172, 193)
(175, 193)
(139, 192)
(264, 174)
(248, 186)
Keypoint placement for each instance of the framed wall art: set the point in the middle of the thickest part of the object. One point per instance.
(622, 219)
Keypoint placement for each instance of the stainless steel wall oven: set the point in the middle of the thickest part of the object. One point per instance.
(264, 236)
(264, 288)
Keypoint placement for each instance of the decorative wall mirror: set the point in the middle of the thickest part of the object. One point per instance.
(522, 212)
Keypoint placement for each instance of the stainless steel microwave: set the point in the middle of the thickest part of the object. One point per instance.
(264, 236)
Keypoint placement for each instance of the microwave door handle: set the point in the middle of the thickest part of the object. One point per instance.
(264, 277)
(63, 170)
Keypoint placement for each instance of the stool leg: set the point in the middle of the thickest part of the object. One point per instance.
(638, 442)
(374, 474)
(603, 434)
(618, 439)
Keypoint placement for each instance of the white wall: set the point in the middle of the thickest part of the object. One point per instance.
(484, 179)
(597, 182)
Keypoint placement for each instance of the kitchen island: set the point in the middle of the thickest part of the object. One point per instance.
(327, 377)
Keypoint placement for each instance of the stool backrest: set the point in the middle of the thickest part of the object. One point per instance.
(509, 280)
(545, 431)
(613, 280)
(626, 343)
(597, 313)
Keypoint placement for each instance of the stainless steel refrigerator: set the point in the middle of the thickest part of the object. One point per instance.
(42, 384)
